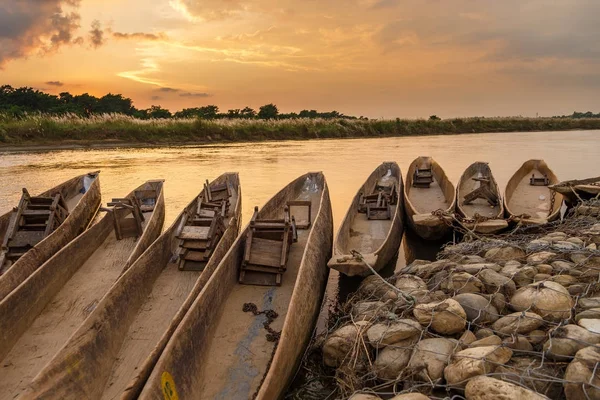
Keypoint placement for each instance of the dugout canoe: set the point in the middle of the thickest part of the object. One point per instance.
(377, 240)
(528, 198)
(112, 353)
(420, 201)
(39, 316)
(220, 351)
(489, 218)
(577, 190)
(82, 198)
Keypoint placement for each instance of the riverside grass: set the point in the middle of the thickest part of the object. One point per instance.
(42, 129)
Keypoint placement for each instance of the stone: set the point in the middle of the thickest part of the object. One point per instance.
(373, 286)
(567, 340)
(562, 245)
(492, 340)
(541, 277)
(518, 323)
(410, 396)
(487, 388)
(369, 310)
(498, 300)
(576, 241)
(580, 373)
(471, 259)
(525, 276)
(364, 396)
(544, 269)
(430, 357)
(538, 244)
(474, 269)
(577, 289)
(483, 333)
(339, 345)
(590, 302)
(537, 337)
(591, 324)
(517, 343)
(467, 338)
(495, 282)
(542, 257)
(410, 283)
(446, 317)
(475, 361)
(381, 335)
(589, 313)
(462, 282)
(565, 280)
(550, 300)
(392, 360)
(503, 254)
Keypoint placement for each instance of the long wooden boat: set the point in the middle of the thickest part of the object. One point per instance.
(479, 199)
(220, 351)
(576, 190)
(378, 240)
(112, 353)
(527, 197)
(428, 189)
(81, 196)
(39, 316)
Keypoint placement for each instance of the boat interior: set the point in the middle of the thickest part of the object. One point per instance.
(478, 192)
(428, 187)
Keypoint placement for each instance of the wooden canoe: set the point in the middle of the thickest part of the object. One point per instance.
(493, 216)
(39, 316)
(530, 204)
(420, 202)
(377, 240)
(112, 353)
(82, 196)
(219, 351)
(574, 191)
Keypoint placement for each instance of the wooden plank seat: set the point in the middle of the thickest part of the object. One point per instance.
(217, 192)
(539, 181)
(484, 191)
(268, 243)
(127, 217)
(34, 218)
(200, 235)
(423, 176)
(379, 209)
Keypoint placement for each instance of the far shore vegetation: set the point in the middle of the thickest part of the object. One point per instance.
(31, 117)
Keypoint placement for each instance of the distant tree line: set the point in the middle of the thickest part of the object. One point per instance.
(20, 101)
(579, 115)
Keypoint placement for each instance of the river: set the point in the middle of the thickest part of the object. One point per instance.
(268, 166)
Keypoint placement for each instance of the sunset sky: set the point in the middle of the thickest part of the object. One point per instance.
(377, 58)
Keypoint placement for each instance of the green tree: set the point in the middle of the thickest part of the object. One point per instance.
(434, 118)
(268, 111)
(247, 112)
(159, 112)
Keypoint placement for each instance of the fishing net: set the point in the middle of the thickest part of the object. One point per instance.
(522, 308)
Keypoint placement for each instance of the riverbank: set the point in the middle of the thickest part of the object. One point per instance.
(512, 316)
(48, 132)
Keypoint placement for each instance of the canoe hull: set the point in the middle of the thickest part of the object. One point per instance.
(77, 221)
(83, 367)
(341, 259)
(184, 358)
(426, 225)
(490, 223)
(517, 186)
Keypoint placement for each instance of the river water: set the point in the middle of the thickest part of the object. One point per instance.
(266, 167)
